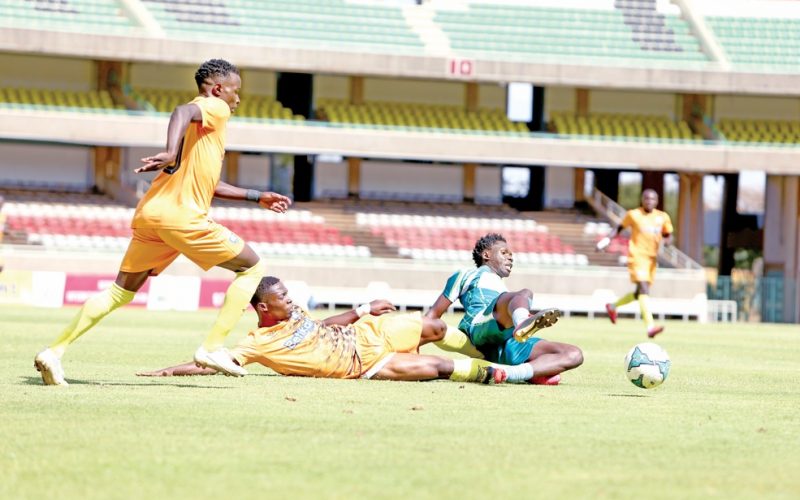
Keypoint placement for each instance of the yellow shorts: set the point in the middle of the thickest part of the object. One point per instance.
(379, 337)
(155, 248)
(642, 269)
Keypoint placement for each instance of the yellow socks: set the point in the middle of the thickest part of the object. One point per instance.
(625, 299)
(457, 341)
(644, 307)
(469, 370)
(237, 298)
(93, 310)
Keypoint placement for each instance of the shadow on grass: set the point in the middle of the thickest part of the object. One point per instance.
(146, 382)
(629, 395)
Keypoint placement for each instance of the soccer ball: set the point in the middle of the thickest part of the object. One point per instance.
(647, 365)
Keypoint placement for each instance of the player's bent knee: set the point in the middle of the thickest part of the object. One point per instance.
(573, 357)
(433, 330)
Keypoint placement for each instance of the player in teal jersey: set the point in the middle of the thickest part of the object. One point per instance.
(499, 322)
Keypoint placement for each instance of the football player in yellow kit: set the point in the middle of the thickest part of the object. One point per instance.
(649, 227)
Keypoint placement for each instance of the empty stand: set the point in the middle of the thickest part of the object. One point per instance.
(316, 23)
(97, 101)
(90, 16)
(772, 131)
(93, 222)
(420, 116)
(621, 125)
(251, 106)
(633, 31)
(759, 42)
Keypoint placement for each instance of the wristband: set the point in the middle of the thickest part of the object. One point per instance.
(252, 195)
(363, 310)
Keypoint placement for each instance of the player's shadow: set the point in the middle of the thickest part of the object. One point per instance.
(628, 395)
(146, 382)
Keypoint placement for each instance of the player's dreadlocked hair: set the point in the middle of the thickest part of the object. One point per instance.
(260, 295)
(214, 67)
(484, 243)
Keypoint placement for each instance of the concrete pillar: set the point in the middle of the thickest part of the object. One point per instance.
(582, 102)
(690, 224)
(353, 177)
(107, 162)
(356, 90)
(580, 180)
(232, 167)
(110, 75)
(469, 182)
(782, 239)
(654, 180)
(471, 96)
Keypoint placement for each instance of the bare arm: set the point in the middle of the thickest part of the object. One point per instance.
(377, 307)
(439, 307)
(602, 244)
(178, 123)
(178, 371)
(266, 199)
(668, 239)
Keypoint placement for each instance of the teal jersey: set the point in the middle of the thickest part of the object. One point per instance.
(477, 289)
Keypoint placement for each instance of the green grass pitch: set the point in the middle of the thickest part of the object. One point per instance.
(726, 424)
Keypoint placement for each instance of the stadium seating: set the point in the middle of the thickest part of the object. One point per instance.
(759, 43)
(631, 30)
(620, 125)
(92, 16)
(33, 98)
(333, 23)
(252, 106)
(417, 116)
(452, 238)
(772, 131)
(92, 222)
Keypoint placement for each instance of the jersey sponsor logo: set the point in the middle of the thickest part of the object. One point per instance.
(233, 238)
(306, 327)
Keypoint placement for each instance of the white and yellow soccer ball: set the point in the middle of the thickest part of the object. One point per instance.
(647, 365)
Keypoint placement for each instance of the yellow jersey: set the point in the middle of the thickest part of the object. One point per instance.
(307, 347)
(647, 231)
(180, 195)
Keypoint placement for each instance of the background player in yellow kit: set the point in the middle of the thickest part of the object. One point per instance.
(648, 226)
(172, 219)
(362, 343)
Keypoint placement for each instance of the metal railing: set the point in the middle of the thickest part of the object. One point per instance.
(757, 298)
(615, 212)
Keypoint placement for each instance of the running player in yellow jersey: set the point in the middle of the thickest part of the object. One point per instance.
(649, 227)
(172, 219)
(362, 343)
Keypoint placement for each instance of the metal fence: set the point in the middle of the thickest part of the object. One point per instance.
(757, 299)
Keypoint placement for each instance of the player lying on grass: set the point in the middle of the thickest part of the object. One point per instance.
(362, 343)
(498, 322)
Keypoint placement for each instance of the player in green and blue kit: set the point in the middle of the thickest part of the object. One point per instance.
(499, 322)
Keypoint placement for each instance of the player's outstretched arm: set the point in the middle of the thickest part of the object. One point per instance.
(183, 370)
(178, 123)
(603, 244)
(266, 199)
(375, 308)
(439, 307)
